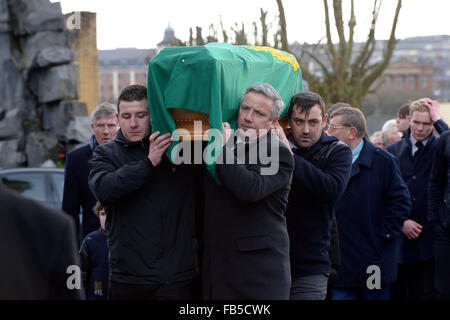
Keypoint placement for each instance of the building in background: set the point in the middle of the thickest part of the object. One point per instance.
(120, 68)
(125, 66)
(169, 40)
(403, 75)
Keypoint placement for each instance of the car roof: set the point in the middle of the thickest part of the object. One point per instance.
(30, 170)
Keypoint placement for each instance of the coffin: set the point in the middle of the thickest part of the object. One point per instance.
(205, 84)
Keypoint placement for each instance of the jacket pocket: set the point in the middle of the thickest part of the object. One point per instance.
(253, 243)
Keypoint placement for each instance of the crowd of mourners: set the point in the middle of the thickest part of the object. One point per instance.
(344, 216)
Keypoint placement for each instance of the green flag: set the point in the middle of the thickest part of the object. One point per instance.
(212, 79)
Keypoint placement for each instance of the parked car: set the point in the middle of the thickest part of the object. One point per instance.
(43, 184)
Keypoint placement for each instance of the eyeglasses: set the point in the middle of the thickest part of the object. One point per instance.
(332, 128)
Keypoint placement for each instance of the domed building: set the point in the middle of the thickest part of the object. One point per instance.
(169, 40)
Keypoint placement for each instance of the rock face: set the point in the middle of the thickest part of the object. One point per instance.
(39, 118)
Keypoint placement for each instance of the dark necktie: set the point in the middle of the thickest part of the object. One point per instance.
(419, 146)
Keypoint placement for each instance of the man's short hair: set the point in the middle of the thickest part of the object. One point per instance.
(337, 105)
(403, 111)
(391, 123)
(376, 134)
(304, 101)
(132, 93)
(352, 117)
(270, 92)
(419, 105)
(386, 135)
(104, 110)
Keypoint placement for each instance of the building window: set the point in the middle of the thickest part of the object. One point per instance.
(400, 80)
(388, 81)
(424, 81)
(412, 81)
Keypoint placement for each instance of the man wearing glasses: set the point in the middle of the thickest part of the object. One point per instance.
(415, 153)
(322, 169)
(370, 213)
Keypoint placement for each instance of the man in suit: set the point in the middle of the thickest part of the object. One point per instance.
(415, 153)
(370, 213)
(38, 250)
(76, 194)
(246, 253)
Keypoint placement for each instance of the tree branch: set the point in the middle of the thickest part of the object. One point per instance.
(331, 48)
(367, 82)
(284, 40)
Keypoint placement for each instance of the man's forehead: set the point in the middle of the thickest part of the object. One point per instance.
(315, 112)
(106, 119)
(421, 115)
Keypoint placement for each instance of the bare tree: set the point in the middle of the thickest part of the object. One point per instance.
(240, 35)
(264, 27)
(343, 76)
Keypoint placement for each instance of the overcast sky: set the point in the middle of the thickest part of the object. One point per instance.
(141, 23)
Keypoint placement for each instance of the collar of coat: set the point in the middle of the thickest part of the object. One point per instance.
(307, 152)
(406, 145)
(365, 158)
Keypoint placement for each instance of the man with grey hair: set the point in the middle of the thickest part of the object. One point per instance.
(77, 194)
(370, 213)
(246, 253)
(390, 135)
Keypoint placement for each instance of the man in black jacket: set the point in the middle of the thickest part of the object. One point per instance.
(246, 253)
(39, 251)
(322, 170)
(149, 205)
(415, 153)
(439, 213)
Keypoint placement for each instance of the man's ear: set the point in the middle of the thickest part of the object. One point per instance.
(409, 119)
(275, 122)
(92, 126)
(324, 120)
(354, 132)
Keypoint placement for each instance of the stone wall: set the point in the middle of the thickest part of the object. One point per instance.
(39, 115)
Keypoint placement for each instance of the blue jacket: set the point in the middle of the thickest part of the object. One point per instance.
(94, 265)
(77, 193)
(370, 216)
(416, 174)
(320, 177)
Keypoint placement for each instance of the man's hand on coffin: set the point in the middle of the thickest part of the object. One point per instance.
(279, 132)
(158, 145)
(226, 132)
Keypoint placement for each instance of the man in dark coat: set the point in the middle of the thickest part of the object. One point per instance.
(370, 213)
(416, 265)
(322, 169)
(439, 214)
(76, 193)
(150, 206)
(246, 253)
(38, 249)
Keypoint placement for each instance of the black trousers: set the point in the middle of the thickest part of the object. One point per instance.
(173, 291)
(415, 281)
(441, 250)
